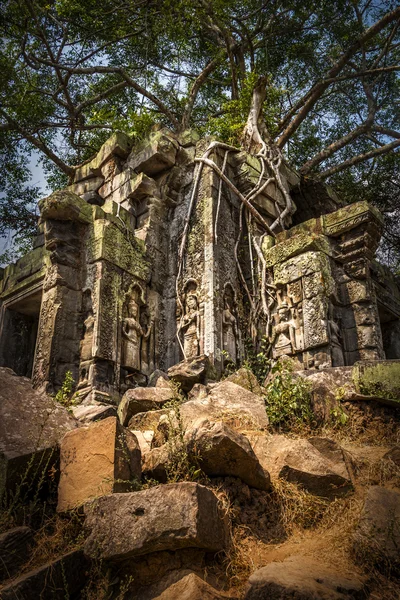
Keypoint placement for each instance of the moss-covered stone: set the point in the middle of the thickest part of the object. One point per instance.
(350, 216)
(64, 205)
(303, 242)
(380, 379)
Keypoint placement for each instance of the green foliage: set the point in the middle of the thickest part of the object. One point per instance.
(65, 394)
(288, 398)
(338, 417)
(257, 361)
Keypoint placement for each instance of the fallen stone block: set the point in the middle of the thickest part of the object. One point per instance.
(228, 402)
(143, 399)
(15, 550)
(59, 579)
(223, 452)
(91, 413)
(320, 468)
(146, 421)
(245, 378)
(96, 460)
(302, 578)
(189, 372)
(168, 517)
(377, 538)
(155, 464)
(31, 427)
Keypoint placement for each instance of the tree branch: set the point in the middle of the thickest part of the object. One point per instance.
(355, 160)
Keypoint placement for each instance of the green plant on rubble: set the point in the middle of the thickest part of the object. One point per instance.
(288, 398)
(182, 464)
(257, 362)
(65, 394)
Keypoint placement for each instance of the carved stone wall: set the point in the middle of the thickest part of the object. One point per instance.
(145, 259)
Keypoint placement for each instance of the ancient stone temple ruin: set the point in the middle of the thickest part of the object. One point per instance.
(162, 251)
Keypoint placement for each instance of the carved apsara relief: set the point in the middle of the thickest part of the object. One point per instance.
(189, 325)
(287, 332)
(133, 332)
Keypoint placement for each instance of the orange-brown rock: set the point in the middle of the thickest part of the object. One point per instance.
(99, 459)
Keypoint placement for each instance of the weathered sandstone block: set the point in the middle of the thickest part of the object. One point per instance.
(304, 579)
(96, 460)
(168, 517)
(141, 400)
(189, 372)
(31, 427)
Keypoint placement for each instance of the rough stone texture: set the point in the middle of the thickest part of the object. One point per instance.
(31, 427)
(377, 538)
(62, 578)
(329, 386)
(156, 156)
(146, 420)
(190, 587)
(155, 376)
(245, 378)
(141, 400)
(302, 578)
(317, 465)
(189, 372)
(380, 379)
(96, 460)
(90, 413)
(224, 452)
(168, 517)
(228, 402)
(15, 550)
(155, 464)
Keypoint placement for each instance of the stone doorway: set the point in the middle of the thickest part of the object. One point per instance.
(390, 327)
(19, 327)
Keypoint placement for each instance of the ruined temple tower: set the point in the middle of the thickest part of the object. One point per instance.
(148, 258)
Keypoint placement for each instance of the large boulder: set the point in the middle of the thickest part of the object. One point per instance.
(59, 579)
(189, 372)
(246, 379)
(318, 464)
(302, 578)
(377, 538)
(230, 403)
(31, 427)
(223, 452)
(167, 517)
(15, 549)
(96, 460)
(93, 412)
(328, 388)
(143, 399)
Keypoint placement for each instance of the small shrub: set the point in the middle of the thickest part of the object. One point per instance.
(288, 398)
(258, 362)
(65, 394)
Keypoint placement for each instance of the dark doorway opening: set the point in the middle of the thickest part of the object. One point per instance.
(19, 333)
(390, 327)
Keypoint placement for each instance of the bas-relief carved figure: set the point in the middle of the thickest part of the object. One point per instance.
(88, 327)
(284, 332)
(335, 338)
(229, 327)
(190, 326)
(133, 333)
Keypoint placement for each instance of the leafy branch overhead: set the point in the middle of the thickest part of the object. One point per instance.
(73, 71)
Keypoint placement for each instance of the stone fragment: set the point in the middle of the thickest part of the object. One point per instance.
(31, 427)
(65, 206)
(157, 155)
(142, 399)
(319, 468)
(146, 420)
(230, 403)
(155, 464)
(188, 372)
(59, 579)
(198, 392)
(377, 538)
(144, 440)
(245, 378)
(155, 376)
(88, 185)
(191, 587)
(119, 144)
(90, 413)
(222, 452)
(302, 578)
(329, 387)
(96, 460)
(168, 517)
(15, 550)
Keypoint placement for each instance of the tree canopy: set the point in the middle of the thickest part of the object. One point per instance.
(72, 72)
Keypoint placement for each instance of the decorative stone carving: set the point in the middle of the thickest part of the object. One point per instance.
(335, 338)
(132, 331)
(284, 332)
(189, 325)
(229, 325)
(88, 324)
